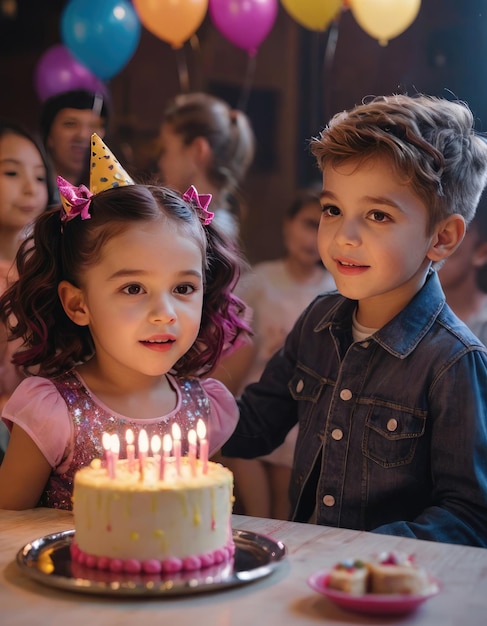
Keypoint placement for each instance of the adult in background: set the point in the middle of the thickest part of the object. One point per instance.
(67, 122)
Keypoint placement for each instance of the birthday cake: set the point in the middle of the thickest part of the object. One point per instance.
(136, 521)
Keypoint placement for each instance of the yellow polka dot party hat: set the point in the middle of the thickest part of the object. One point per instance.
(105, 173)
(105, 170)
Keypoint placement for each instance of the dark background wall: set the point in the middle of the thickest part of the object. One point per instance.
(297, 81)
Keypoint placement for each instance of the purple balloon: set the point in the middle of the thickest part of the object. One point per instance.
(58, 71)
(245, 23)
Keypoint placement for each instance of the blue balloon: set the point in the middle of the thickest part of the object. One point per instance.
(101, 34)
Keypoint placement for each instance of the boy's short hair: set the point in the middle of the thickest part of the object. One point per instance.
(430, 140)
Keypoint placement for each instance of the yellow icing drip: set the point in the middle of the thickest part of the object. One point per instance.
(196, 515)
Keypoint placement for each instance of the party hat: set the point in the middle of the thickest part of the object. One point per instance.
(105, 170)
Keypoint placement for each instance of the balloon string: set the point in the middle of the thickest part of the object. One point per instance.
(247, 85)
(182, 70)
(328, 62)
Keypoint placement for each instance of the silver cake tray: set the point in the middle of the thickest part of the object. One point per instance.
(48, 561)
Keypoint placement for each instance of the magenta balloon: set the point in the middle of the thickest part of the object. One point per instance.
(58, 71)
(245, 23)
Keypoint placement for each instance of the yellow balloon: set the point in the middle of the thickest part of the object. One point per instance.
(173, 21)
(384, 19)
(313, 14)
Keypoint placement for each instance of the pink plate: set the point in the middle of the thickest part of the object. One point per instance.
(372, 603)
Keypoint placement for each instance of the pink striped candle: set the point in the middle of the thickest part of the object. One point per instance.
(143, 450)
(176, 445)
(166, 451)
(107, 446)
(129, 438)
(201, 430)
(192, 451)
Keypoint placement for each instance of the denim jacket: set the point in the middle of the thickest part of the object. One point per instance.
(392, 430)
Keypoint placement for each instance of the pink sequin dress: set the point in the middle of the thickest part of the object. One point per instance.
(66, 421)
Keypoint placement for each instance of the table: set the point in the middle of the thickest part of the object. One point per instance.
(283, 598)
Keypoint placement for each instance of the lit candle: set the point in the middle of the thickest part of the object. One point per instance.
(107, 446)
(166, 450)
(129, 438)
(155, 446)
(143, 449)
(192, 451)
(201, 430)
(176, 444)
(115, 452)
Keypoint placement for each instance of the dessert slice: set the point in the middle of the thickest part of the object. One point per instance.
(395, 572)
(349, 576)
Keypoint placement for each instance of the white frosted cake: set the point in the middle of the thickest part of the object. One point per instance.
(136, 522)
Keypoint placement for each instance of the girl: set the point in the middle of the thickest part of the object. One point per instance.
(26, 189)
(206, 142)
(123, 298)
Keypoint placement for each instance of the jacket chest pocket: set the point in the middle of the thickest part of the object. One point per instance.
(391, 434)
(305, 385)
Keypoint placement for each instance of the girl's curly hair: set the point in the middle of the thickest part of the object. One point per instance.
(31, 307)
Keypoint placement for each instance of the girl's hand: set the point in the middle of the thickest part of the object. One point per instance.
(24, 472)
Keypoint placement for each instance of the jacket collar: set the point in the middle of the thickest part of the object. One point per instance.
(402, 334)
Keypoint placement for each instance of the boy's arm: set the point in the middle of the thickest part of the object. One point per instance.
(267, 410)
(458, 511)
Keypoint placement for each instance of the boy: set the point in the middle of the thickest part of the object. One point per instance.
(388, 386)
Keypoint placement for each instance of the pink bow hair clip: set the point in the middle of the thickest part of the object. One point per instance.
(75, 200)
(200, 202)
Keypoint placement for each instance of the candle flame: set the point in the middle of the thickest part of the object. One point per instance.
(115, 444)
(155, 444)
(201, 429)
(176, 431)
(129, 436)
(167, 443)
(143, 442)
(192, 437)
(106, 441)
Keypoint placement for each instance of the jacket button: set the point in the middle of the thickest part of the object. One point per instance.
(329, 500)
(337, 434)
(300, 386)
(345, 394)
(392, 424)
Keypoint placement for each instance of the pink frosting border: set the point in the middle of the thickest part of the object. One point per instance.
(154, 566)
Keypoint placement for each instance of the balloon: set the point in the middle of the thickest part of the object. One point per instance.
(245, 23)
(58, 71)
(102, 34)
(384, 19)
(173, 21)
(311, 14)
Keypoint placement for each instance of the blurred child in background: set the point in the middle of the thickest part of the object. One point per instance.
(26, 190)
(277, 292)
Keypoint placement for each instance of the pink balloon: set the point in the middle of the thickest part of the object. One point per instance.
(58, 71)
(245, 23)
